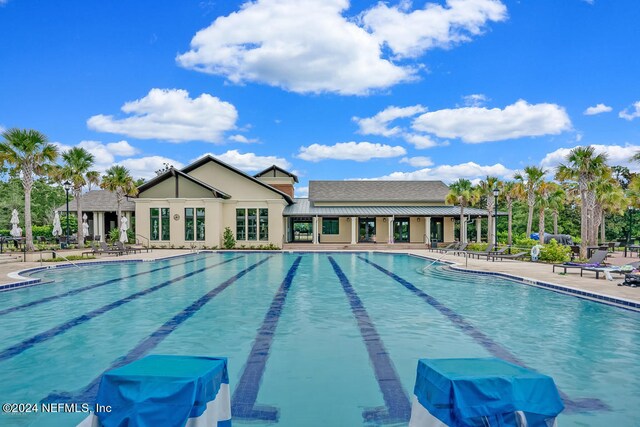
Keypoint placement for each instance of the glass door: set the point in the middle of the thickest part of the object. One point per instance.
(401, 230)
(301, 230)
(436, 230)
(366, 229)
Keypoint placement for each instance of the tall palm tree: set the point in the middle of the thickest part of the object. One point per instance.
(556, 200)
(461, 193)
(30, 154)
(510, 191)
(76, 166)
(542, 202)
(485, 188)
(583, 167)
(609, 199)
(118, 180)
(530, 179)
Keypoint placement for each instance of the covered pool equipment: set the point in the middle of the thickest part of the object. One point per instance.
(164, 391)
(482, 393)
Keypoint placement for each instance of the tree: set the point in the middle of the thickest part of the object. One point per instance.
(30, 154)
(530, 179)
(510, 191)
(542, 202)
(461, 193)
(76, 170)
(556, 198)
(118, 180)
(583, 167)
(485, 189)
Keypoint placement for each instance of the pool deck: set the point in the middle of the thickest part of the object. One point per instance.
(527, 270)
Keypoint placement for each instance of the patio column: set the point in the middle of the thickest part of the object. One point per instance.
(95, 223)
(101, 228)
(427, 230)
(390, 221)
(354, 230)
(315, 230)
(478, 229)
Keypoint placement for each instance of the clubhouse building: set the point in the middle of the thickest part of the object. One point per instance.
(192, 206)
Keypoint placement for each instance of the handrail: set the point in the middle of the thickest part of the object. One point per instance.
(139, 235)
(61, 256)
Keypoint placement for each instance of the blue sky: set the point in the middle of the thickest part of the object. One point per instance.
(330, 89)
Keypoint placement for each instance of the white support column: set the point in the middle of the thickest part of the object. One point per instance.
(354, 230)
(479, 229)
(427, 230)
(95, 223)
(101, 226)
(390, 221)
(315, 230)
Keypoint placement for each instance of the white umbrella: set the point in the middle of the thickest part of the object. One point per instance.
(57, 229)
(15, 230)
(85, 226)
(123, 230)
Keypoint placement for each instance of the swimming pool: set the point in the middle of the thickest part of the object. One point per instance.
(313, 339)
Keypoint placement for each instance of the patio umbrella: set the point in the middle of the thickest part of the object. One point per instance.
(57, 229)
(15, 230)
(123, 230)
(85, 226)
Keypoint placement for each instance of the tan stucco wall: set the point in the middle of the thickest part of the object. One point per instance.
(167, 188)
(382, 230)
(238, 186)
(416, 230)
(218, 215)
(448, 229)
(344, 229)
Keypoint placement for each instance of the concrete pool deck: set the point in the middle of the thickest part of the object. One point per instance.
(527, 270)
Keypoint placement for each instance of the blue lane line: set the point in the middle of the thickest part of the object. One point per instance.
(585, 404)
(15, 350)
(395, 398)
(89, 392)
(243, 403)
(87, 288)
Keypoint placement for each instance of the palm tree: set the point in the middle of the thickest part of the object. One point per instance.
(609, 199)
(556, 200)
(583, 167)
(530, 179)
(75, 169)
(511, 191)
(485, 188)
(118, 180)
(461, 193)
(542, 202)
(30, 154)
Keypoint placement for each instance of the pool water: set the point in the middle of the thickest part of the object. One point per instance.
(313, 339)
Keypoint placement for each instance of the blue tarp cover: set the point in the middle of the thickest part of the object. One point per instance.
(160, 390)
(454, 390)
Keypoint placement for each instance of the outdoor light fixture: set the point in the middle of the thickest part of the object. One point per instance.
(67, 188)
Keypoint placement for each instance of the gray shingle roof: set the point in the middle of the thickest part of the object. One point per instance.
(99, 201)
(304, 207)
(377, 191)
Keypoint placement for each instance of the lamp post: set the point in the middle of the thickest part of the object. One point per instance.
(67, 187)
(630, 209)
(496, 193)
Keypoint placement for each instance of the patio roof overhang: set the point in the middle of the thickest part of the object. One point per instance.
(303, 207)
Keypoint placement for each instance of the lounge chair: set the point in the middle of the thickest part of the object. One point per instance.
(519, 255)
(460, 250)
(95, 250)
(487, 251)
(499, 252)
(596, 260)
(622, 269)
(453, 245)
(127, 249)
(105, 249)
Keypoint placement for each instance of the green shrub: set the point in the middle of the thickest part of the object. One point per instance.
(228, 240)
(114, 235)
(525, 242)
(555, 252)
(477, 247)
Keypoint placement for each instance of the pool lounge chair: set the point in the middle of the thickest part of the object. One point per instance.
(519, 255)
(461, 249)
(105, 249)
(127, 249)
(95, 250)
(487, 251)
(596, 260)
(502, 251)
(453, 245)
(626, 269)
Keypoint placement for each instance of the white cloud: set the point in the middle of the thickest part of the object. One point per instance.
(146, 167)
(597, 109)
(378, 124)
(417, 162)
(171, 115)
(480, 124)
(411, 33)
(475, 100)
(358, 151)
(104, 154)
(2, 128)
(631, 112)
(450, 173)
(618, 155)
(304, 46)
(250, 162)
(421, 141)
(301, 191)
(242, 139)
